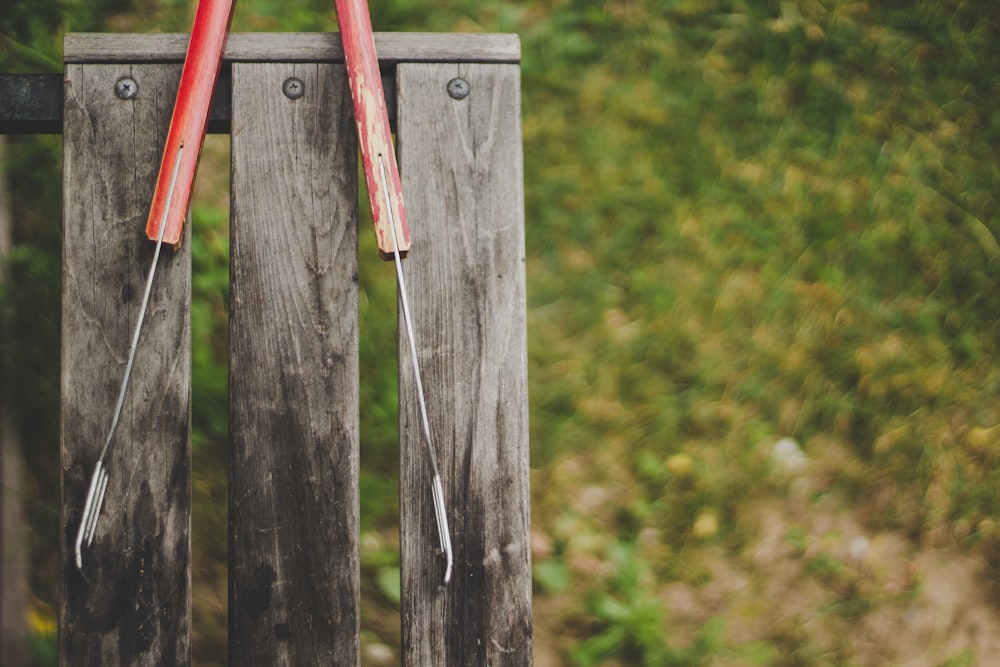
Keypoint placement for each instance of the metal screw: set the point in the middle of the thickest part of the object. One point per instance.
(458, 88)
(293, 88)
(126, 88)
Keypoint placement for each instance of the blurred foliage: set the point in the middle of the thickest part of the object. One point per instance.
(750, 220)
(746, 219)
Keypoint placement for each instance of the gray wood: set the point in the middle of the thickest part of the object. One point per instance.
(295, 47)
(136, 609)
(294, 505)
(462, 174)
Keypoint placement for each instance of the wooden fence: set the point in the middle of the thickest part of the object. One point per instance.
(294, 593)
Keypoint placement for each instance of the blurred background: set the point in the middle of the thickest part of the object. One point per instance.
(763, 317)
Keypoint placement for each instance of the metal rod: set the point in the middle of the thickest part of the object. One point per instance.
(142, 309)
(437, 489)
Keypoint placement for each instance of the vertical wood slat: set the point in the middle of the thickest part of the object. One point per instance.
(136, 609)
(294, 505)
(462, 170)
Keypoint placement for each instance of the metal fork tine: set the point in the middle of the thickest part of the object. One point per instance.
(98, 504)
(85, 519)
(441, 517)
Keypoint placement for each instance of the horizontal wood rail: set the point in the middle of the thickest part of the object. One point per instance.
(32, 103)
(296, 47)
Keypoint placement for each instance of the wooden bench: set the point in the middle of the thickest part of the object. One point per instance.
(294, 572)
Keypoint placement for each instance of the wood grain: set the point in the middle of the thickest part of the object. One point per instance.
(136, 609)
(294, 506)
(392, 48)
(462, 173)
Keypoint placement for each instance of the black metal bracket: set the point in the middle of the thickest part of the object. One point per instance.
(33, 103)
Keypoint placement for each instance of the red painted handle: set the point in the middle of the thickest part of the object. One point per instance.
(190, 119)
(372, 118)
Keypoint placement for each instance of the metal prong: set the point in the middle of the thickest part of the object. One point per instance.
(85, 519)
(442, 523)
(437, 489)
(102, 487)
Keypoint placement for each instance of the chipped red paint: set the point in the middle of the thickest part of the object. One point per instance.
(372, 118)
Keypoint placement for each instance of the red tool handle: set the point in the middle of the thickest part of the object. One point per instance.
(372, 118)
(189, 120)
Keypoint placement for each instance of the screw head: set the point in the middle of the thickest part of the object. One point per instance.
(126, 88)
(458, 88)
(293, 88)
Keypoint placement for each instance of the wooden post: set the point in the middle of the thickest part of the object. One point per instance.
(462, 176)
(136, 608)
(294, 506)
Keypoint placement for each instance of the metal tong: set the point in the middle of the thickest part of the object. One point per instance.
(168, 211)
(385, 193)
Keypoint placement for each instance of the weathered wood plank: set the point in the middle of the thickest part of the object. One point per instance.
(294, 505)
(136, 609)
(462, 172)
(295, 47)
